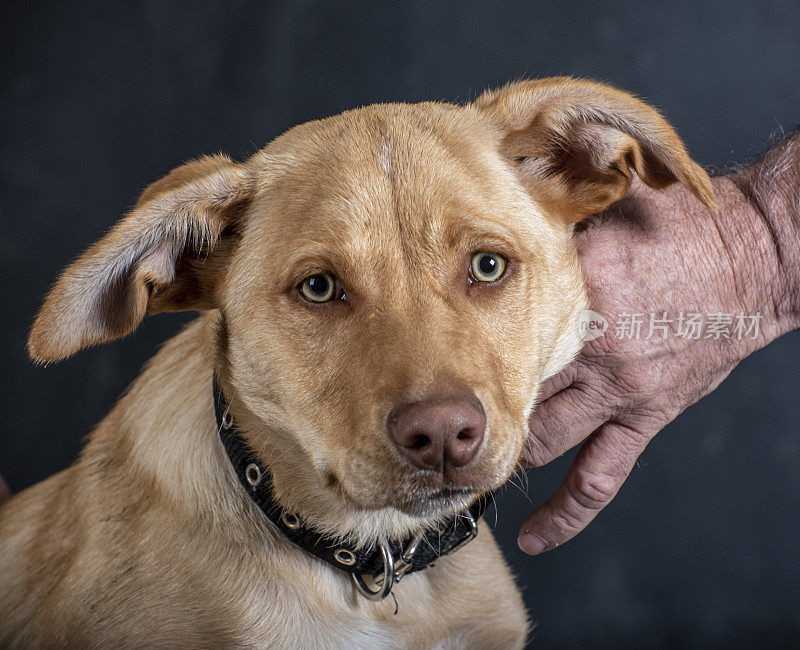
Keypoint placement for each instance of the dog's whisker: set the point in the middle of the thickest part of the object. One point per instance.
(519, 487)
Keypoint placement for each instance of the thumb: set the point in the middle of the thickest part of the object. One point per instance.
(595, 476)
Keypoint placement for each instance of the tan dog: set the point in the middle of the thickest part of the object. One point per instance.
(382, 292)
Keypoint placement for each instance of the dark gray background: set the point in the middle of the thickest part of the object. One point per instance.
(701, 546)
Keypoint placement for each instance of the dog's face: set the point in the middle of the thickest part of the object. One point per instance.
(360, 317)
(392, 284)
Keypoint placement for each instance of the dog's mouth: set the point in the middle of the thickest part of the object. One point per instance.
(420, 500)
(436, 492)
(366, 485)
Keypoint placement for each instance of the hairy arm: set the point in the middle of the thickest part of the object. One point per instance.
(664, 256)
(771, 190)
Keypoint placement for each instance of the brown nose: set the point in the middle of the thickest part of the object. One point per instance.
(438, 432)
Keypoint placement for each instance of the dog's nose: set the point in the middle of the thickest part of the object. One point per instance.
(438, 432)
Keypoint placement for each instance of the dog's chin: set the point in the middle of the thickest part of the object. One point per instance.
(442, 503)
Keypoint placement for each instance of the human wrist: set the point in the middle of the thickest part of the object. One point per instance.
(760, 213)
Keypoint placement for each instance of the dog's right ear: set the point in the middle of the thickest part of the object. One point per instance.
(165, 255)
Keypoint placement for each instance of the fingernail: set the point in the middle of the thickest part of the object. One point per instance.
(531, 543)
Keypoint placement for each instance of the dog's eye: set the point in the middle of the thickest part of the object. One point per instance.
(487, 266)
(320, 287)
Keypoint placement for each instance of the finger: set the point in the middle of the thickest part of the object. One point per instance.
(557, 383)
(596, 474)
(567, 418)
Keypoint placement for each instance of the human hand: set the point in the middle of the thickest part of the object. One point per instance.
(653, 253)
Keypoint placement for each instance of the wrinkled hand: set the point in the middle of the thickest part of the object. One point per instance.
(651, 253)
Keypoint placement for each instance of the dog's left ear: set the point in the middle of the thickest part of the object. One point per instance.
(167, 254)
(575, 144)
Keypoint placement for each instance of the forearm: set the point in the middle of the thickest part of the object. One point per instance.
(772, 189)
(759, 222)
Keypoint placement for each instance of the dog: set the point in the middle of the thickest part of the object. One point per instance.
(305, 465)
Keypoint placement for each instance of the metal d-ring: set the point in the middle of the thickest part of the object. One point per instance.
(384, 583)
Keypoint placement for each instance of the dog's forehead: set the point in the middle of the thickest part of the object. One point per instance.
(410, 171)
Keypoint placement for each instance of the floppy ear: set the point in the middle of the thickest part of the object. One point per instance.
(165, 255)
(575, 144)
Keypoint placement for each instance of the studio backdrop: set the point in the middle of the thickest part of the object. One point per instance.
(99, 99)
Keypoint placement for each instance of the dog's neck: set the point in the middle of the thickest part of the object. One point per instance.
(162, 431)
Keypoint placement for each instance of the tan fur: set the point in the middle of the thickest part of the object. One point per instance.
(148, 540)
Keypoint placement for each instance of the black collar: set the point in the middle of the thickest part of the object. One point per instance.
(386, 563)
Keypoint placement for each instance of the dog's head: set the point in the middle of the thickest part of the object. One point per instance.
(391, 285)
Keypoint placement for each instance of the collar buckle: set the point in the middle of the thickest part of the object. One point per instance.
(406, 559)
